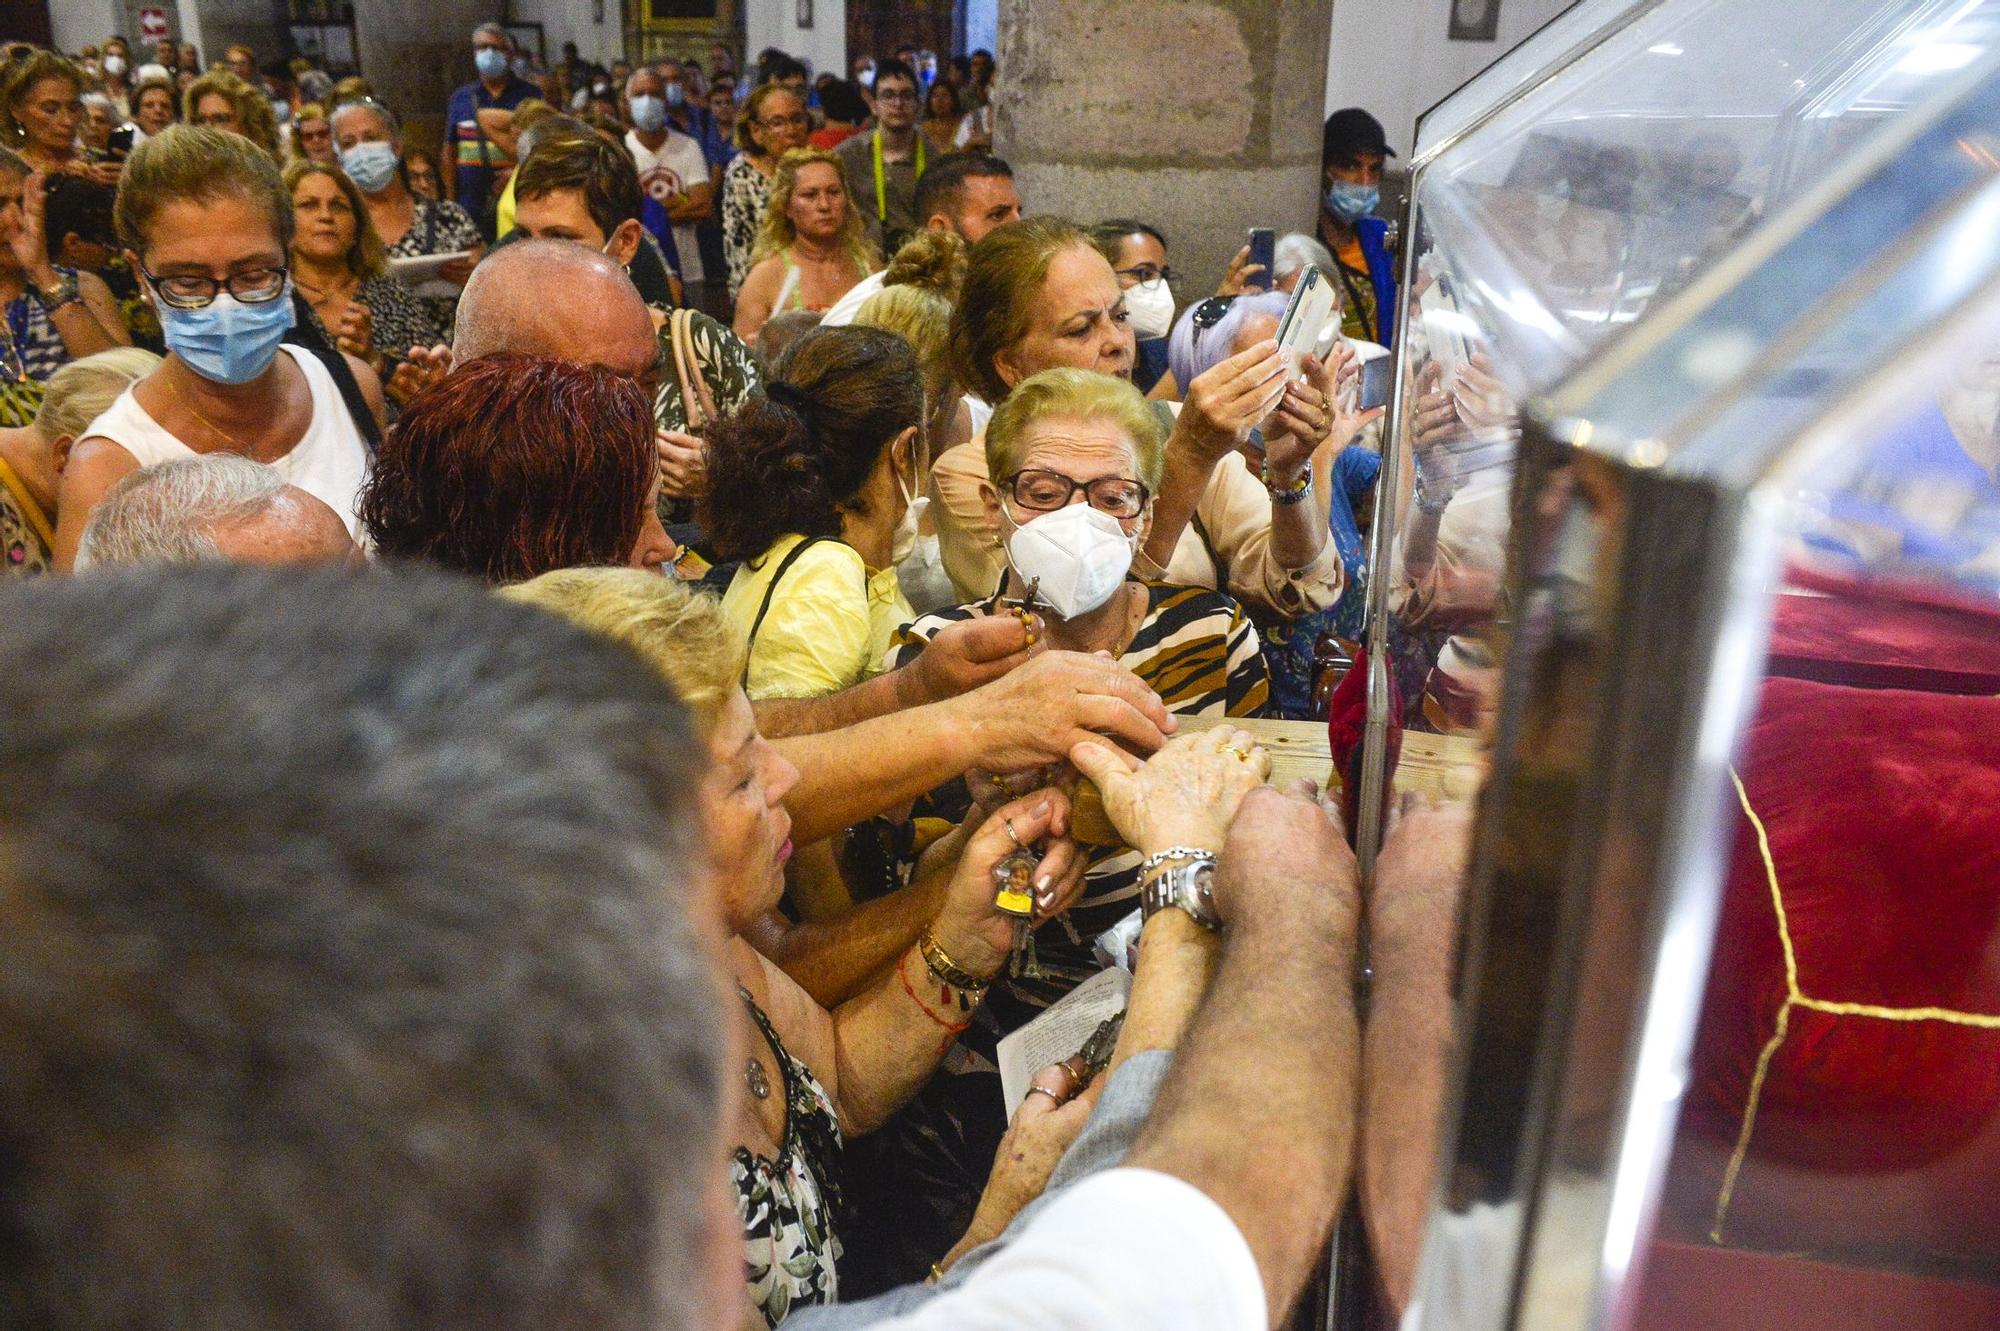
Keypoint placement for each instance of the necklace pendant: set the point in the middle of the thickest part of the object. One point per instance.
(753, 1074)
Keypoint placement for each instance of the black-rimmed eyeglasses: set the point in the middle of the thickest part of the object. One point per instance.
(253, 286)
(1047, 491)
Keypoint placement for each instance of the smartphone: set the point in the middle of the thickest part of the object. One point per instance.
(1263, 254)
(1376, 377)
(1303, 326)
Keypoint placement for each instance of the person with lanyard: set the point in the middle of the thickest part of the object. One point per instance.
(883, 166)
(1351, 157)
(481, 164)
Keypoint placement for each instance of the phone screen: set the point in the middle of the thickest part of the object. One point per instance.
(1263, 254)
(1376, 376)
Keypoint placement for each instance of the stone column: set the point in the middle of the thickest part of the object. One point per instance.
(1202, 117)
(414, 55)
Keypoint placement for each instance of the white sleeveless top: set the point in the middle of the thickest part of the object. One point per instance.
(329, 462)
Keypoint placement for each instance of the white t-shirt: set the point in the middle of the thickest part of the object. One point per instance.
(676, 168)
(1124, 1250)
(843, 311)
(329, 462)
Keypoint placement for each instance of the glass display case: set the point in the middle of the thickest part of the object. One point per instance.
(1690, 542)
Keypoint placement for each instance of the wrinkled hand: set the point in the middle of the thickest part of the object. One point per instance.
(1421, 867)
(1285, 859)
(27, 237)
(1313, 412)
(976, 934)
(1479, 397)
(423, 367)
(356, 333)
(1036, 714)
(1045, 1126)
(963, 656)
(683, 464)
(1243, 276)
(459, 271)
(1185, 795)
(1226, 401)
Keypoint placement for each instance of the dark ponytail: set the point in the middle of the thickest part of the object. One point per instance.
(794, 459)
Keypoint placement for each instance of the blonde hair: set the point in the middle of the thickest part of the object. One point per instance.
(309, 111)
(253, 112)
(83, 390)
(680, 633)
(1003, 275)
(196, 163)
(1077, 395)
(365, 255)
(777, 232)
(918, 290)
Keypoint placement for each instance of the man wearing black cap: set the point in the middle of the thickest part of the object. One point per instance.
(1351, 157)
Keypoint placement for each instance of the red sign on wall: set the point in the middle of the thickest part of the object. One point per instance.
(152, 25)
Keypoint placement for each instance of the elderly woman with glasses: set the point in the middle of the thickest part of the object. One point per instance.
(774, 122)
(1076, 457)
(207, 215)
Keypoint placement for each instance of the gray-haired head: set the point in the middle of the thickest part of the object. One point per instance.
(1198, 345)
(1295, 251)
(218, 506)
(547, 128)
(554, 298)
(495, 31)
(315, 85)
(349, 913)
(367, 106)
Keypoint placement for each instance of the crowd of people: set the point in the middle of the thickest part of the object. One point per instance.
(762, 617)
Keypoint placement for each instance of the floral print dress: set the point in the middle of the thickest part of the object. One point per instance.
(789, 1205)
(745, 192)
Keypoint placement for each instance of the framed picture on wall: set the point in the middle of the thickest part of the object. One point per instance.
(804, 17)
(528, 40)
(1475, 20)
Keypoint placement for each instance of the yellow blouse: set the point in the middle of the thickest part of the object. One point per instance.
(829, 624)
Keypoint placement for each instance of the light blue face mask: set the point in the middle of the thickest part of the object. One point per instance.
(648, 112)
(490, 61)
(370, 165)
(1350, 202)
(227, 341)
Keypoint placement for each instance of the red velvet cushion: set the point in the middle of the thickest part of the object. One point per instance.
(1872, 1137)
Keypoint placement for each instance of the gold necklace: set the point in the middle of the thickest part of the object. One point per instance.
(213, 428)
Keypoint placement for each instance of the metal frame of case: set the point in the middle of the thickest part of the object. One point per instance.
(1599, 859)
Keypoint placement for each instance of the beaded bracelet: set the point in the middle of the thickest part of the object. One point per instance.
(1295, 493)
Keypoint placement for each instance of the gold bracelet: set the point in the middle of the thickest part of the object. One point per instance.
(945, 969)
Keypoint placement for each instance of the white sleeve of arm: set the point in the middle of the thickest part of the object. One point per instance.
(1124, 1250)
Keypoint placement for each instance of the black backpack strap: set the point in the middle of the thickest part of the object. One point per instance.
(769, 591)
(306, 338)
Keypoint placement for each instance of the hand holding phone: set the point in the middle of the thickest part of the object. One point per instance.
(1261, 269)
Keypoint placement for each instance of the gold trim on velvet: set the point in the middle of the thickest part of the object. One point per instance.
(1795, 997)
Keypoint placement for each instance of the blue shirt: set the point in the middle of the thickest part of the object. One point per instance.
(477, 159)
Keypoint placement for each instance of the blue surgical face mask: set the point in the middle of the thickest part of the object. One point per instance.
(227, 341)
(490, 61)
(1350, 202)
(370, 165)
(676, 94)
(648, 112)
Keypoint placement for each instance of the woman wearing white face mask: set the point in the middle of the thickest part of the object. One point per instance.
(1075, 456)
(369, 142)
(1137, 252)
(810, 485)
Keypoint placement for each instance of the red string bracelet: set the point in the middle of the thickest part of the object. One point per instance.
(951, 1032)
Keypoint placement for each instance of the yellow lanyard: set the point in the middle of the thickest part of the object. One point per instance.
(881, 184)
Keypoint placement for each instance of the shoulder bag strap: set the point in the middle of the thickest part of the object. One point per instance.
(784, 565)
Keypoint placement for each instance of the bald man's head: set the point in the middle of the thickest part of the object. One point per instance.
(294, 528)
(214, 506)
(556, 298)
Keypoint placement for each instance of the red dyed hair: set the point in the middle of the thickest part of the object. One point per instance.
(513, 466)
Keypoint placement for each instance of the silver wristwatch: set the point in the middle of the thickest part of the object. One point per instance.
(1180, 876)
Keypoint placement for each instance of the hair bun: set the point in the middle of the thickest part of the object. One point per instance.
(931, 260)
(790, 395)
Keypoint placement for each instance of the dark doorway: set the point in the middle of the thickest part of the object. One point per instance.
(879, 27)
(26, 21)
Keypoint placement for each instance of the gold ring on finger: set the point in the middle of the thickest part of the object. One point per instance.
(1012, 835)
